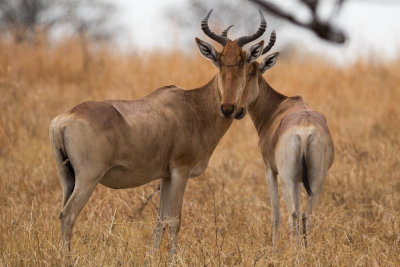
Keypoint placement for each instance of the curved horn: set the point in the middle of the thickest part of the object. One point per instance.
(271, 43)
(204, 26)
(225, 32)
(247, 39)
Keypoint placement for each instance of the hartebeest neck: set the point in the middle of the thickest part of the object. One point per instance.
(205, 102)
(206, 99)
(263, 108)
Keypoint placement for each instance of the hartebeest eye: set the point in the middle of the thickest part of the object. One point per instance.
(241, 63)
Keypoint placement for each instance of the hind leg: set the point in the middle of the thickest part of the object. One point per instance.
(319, 158)
(84, 186)
(317, 179)
(292, 192)
(274, 197)
(289, 167)
(291, 189)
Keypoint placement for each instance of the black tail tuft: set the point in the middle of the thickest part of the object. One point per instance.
(67, 163)
(306, 183)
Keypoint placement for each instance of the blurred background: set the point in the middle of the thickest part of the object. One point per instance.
(370, 26)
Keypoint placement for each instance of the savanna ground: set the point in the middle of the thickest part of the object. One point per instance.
(226, 212)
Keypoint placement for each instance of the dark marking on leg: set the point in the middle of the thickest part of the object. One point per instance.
(304, 222)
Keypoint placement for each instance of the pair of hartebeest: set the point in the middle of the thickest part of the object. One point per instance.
(171, 133)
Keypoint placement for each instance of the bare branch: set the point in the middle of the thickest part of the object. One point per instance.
(323, 29)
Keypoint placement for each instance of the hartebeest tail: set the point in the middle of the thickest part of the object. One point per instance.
(65, 160)
(306, 183)
(304, 138)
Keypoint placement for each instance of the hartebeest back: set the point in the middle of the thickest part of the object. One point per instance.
(168, 134)
(295, 143)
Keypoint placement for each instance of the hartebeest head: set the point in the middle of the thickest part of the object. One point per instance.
(253, 73)
(232, 62)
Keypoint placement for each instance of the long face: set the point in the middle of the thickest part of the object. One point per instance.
(231, 76)
(231, 62)
(250, 91)
(254, 72)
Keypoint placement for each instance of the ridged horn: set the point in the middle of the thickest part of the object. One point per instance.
(225, 32)
(247, 39)
(271, 43)
(219, 38)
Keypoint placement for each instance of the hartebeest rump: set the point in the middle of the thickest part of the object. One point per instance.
(169, 134)
(295, 143)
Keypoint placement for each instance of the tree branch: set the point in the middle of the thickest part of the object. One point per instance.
(322, 29)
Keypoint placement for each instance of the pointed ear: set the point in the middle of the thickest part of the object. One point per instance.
(254, 51)
(208, 51)
(268, 62)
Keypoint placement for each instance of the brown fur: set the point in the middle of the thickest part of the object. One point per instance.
(274, 113)
(289, 132)
(169, 134)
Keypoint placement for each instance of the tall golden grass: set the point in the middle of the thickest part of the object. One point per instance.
(226, 212)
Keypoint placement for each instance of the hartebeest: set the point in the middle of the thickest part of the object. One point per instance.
(169, 134)
(295, 143)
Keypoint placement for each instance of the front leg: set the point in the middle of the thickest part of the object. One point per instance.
(170, 207)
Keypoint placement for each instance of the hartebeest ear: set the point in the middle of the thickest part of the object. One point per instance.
(208, 51)
(268, 62)
(254, 51)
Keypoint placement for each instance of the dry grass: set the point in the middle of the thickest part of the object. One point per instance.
(226, 212)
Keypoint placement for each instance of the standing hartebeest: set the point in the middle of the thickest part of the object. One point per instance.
(295, 143)
(168, 134)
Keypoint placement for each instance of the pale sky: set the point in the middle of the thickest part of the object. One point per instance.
(372, 27)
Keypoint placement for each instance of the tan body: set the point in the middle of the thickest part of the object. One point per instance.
(295, 143)
(169, 134)
(138, 141)
(125, 144)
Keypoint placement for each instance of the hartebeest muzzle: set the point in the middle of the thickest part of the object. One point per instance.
(227, 109)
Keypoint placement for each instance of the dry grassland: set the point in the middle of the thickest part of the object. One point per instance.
(226, 212)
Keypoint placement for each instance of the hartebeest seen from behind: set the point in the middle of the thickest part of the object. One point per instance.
(169, 134)
(295, 143)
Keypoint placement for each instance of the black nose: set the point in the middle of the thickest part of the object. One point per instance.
(240, 114)
(227, 109)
